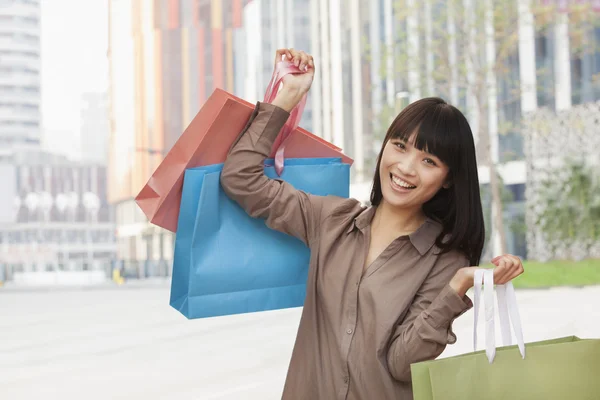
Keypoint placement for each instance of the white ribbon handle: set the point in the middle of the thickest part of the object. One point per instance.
(508, 311)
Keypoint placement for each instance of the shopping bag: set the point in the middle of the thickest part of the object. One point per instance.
(207, 140)
(227, 262)
(563, 368)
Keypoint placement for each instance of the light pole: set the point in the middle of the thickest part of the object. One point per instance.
(8, 271)
(45, 207)
(61, 205)
(32, 201)
(72, 204)
(91, 203)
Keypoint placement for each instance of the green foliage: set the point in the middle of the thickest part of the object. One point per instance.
(570, 204)
(559, 273)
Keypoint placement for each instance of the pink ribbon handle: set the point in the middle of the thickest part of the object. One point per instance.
(282, 69)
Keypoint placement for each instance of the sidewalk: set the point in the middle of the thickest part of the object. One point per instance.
(148, 283)
(117, 343)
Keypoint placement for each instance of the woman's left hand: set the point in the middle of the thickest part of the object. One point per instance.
(508, 267)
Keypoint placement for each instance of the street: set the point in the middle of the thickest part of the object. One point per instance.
(127, 343)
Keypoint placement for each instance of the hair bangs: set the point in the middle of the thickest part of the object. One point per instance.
(436, 134)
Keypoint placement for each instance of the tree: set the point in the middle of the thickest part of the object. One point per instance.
(570, 204)
(486, 201)
(467, 52)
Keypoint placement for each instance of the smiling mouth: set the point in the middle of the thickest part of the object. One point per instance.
(399, 182)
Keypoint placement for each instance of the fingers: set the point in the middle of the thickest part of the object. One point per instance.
(501, 272)
(282, 54)
(507, 268)
(300, 59)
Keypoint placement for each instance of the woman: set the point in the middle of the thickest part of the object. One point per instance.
(385, 282)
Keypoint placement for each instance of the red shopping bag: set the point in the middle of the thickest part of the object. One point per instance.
(207, 141)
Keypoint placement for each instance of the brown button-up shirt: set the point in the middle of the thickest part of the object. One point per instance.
(360, 328)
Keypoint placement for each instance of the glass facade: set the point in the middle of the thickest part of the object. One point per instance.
(166, 57)
(20, 66)
(585, 67)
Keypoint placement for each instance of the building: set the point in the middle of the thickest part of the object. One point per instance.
(358, 88)
(56, 216)
(165, 58)
(94, 128)
(343, 97)
(20, 74)
(552, 66)
(561, 117)
(345, 93)
(269, 25)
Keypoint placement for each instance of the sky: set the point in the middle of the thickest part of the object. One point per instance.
(74, 41)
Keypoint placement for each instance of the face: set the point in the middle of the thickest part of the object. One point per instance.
(410, 177)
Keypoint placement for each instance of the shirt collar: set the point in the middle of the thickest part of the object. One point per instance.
(422, 239)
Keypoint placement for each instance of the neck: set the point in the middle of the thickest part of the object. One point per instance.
(398, 220)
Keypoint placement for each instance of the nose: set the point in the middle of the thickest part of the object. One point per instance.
(406, 165)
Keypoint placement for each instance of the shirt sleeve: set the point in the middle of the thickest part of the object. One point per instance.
(427, 327)
(285, 209)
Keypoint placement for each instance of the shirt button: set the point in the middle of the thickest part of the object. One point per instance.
(346, 379)
(349, 331)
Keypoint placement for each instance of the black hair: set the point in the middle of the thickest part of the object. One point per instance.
(443, 131)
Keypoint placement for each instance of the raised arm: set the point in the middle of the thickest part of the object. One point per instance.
(284, 208)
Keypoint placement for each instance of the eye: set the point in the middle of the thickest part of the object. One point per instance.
(400, 145)
(430, 161)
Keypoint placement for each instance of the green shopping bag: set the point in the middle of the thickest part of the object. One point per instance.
(558, 369)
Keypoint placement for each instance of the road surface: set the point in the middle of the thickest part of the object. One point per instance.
(127, 343)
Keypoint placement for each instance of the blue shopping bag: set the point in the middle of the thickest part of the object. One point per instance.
(227, 262)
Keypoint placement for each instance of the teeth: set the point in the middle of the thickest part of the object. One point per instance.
(400, 182)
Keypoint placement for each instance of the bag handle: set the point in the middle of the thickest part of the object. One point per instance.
(282, 69)
(508, 312)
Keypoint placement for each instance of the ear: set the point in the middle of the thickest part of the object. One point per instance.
(447, 184)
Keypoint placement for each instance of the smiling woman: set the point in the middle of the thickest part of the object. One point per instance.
(385, 282)
(427, 165)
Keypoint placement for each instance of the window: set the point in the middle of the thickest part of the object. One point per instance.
(25, 37)
(28, 54)
(29, 71)
(29, 20)
(577, 81)
(544, 60)
(29, 107)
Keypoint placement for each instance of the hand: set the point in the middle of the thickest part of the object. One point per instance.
(295, 86)
(507, 268)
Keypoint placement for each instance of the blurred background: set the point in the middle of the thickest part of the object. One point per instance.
(94, 93)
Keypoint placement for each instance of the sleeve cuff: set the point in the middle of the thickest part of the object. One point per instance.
(447, 307)
(274, 119)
